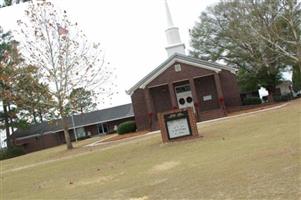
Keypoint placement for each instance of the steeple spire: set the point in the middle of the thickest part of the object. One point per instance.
(174, 43)
(168, 16)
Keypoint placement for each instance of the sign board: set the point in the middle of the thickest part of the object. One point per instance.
(178, 128)
(207, 98)
(177, 124)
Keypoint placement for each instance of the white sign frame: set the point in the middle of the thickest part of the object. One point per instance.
(178, 128)
(207, 97)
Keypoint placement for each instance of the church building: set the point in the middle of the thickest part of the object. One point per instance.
(182, 81)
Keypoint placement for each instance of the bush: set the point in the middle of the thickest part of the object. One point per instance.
(279, 98)
(126, 127)
(11, 152)
(251, 101)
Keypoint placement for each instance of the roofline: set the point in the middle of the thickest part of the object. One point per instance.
(70, 128)
(174, 60)
(174, 45)
(182, 59)
(34, 135)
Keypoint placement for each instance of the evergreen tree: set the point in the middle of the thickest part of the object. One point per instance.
(9, 61)
(22, 96)
(34, 103)
(82, 100)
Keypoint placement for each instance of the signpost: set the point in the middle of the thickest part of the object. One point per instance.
(178, 124)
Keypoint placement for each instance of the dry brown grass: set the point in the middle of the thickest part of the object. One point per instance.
(251, 157)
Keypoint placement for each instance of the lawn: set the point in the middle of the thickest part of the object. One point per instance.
(255, 156)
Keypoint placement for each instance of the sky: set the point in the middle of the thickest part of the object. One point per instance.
(131, 32)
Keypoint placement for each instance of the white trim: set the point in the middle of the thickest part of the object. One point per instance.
(196, 77)
(179, 81)
(170, 63)
(35, 135)
(197, 65)
(29, 136)
(103, 121)
(159, 85)
(70, 128)
(182, 59)
(175, 45)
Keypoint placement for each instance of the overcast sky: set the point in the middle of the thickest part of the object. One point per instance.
(131, 32)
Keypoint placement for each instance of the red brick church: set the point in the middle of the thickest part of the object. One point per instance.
(182, 81)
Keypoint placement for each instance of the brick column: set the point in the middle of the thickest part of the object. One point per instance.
(194, 97)
(149, 106)
(219, 90)
(172, 94)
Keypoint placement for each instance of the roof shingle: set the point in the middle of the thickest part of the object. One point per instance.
(95, 117)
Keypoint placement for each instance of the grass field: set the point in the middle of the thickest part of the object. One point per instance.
(256, 156)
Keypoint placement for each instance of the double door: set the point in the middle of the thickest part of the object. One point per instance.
(102, 128)
(184, 96)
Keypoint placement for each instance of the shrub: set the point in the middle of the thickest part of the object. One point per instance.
(251, 101)
(126, 127)
(279, 98)
(11, 152)
(265, 99)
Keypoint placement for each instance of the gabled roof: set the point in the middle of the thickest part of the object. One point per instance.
(85, 119)
(181, 59)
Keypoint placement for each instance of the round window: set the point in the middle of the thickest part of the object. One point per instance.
(189, 99)
(182, 101)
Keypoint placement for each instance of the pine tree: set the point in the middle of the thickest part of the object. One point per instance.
(9, 60)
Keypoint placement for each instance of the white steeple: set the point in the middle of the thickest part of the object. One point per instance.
(174, 43)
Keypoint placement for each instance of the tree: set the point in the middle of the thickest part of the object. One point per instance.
(9, 61)
(64, 57)
(286, 29)
(82, 100)
(236, 32)
(296, 79)
(11, 2)
(34, 99)
(22, 96)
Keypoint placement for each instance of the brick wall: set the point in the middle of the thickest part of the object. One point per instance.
(187, 71)
(92, 129)
(39, 142)
(230, 88)
(161, 98)
(206, 86)
(140, 109)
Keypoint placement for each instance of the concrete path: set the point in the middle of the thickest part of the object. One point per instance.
(122, 140)
(199, 123)
(118, 143)
(244, 114)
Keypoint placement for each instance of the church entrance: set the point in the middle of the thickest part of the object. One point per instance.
(102, 128)
(184, 96)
